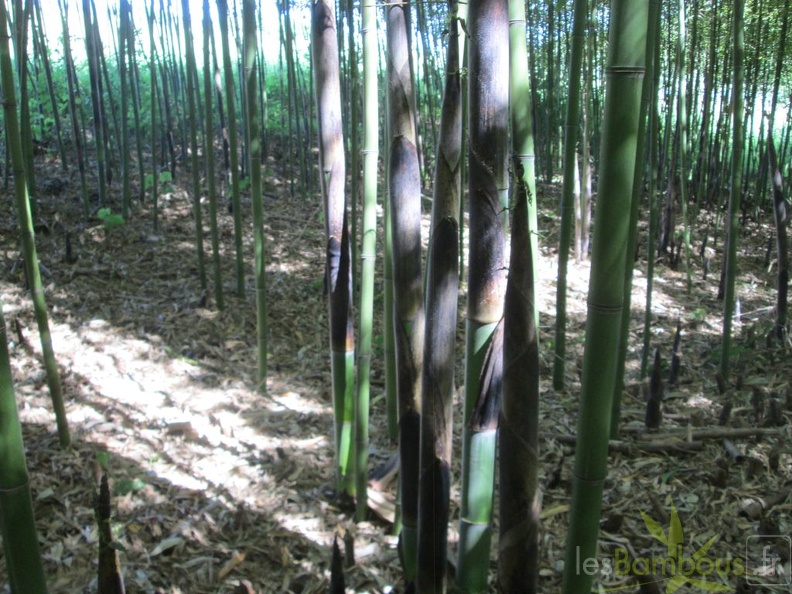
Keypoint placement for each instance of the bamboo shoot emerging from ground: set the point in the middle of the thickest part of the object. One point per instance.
(110, 579)
(626, 59)
(519, 496)
(437, 391)
(488, 190)
(332, 169)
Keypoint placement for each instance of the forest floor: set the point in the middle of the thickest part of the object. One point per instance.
(214, 484)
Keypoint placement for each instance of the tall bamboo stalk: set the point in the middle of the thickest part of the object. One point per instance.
(408, 317)
(96, 100)
(25, 220)
(123, 35)
(73, 108)
(571, 129)
(233, 142)
(192, 75)
(632, 233)
(253, 125)
(324, 52)
(488, 201)
(210, 157)
(520, 497)
(367, 250)
(626, 60)
(437, 392)
(738, 102)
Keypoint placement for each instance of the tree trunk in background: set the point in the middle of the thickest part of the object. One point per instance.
(682, 140)
(332, 170)
(488, 201)
(233, 145)
(408, 315)
(442, 288)
(71, 81)
(570, 165)
(192, 75)
(628, 28)
(98, 116)
(209, 156)
(730, 263)
(253, 125)
(653, 65)
(781, 220)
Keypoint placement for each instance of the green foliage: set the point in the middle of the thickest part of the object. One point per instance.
(109, 218)
(103, 458)
(164, 179)
(126, 486)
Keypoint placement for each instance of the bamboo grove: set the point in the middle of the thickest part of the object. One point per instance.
(655, 112)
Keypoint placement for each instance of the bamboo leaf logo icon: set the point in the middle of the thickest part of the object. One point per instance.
(674, 541)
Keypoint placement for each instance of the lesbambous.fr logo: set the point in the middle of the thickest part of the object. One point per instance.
(679, 566)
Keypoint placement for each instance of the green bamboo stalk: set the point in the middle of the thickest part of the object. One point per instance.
(738, 102)
(254, 133)
(98, 115)
(571, 127)
(192, 75)
(71, 85)
(26, 230)
(367, 251)
(488, 189)
(521, 109)
(21, 20)
(682, 127)
(125, 10)
(654, 211)
(437, 392)
(153, 99)
(233, 141)
(45, 59)
(20, 541)
(208, 75)
(326, 68)
(626, 63)
(632, 236)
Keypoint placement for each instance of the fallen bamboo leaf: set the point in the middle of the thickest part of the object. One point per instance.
(231, 564)
(166, 545)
